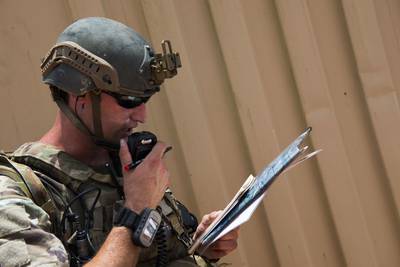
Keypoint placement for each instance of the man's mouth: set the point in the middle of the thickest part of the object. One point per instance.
(129, 130)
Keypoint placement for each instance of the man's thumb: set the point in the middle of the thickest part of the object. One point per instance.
(124, 154)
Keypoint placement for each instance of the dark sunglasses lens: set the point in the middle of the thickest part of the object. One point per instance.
(131, 101)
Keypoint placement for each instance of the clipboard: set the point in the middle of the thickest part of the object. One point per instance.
(251, 193)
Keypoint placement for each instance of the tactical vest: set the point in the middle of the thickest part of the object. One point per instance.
(56, 193)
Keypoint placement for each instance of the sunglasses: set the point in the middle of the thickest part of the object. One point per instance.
(127, 101)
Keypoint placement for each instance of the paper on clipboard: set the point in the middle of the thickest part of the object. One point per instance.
(244, 217)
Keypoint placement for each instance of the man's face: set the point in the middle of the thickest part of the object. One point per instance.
(117, 121)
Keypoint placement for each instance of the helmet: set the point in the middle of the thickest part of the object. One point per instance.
(99, 54)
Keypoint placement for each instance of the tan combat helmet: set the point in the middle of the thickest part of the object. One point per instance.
(99, 54)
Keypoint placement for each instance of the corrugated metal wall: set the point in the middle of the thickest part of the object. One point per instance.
(255, 74)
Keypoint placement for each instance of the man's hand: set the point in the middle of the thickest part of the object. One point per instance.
(223, 246)
(144, 186)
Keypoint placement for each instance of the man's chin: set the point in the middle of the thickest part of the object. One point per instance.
(112, 142)
(125, 135)
(116, 139)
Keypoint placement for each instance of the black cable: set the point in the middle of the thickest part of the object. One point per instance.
(54, 192)
(51, 187)
(67, 206)
(75, 259)
(78, 197)
(161, 238)
(88, 215)
(83, 241)
(91, 210)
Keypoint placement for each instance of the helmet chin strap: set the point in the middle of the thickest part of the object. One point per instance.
(97, 137)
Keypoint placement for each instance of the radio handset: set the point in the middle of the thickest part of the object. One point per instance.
(140, 144)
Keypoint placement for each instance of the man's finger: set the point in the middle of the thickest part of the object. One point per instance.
(232, 235)
(224, 245)
(209, 218)
(157, 152)
(124, 153)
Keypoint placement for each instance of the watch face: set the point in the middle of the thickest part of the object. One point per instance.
(150, 228)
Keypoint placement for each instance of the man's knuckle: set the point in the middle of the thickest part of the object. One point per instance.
(153, 162)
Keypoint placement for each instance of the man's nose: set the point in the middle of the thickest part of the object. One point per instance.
(139, 113)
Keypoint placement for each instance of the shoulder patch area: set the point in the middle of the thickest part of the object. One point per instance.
(28, 182)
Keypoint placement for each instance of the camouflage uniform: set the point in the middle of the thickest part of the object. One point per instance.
(28, 233)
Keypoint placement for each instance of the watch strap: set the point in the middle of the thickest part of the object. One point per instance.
(126, 217)
(144, 226)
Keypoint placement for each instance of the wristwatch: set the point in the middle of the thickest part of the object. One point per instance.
(144, 226)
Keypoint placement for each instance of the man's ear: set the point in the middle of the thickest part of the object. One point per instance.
(78, 103)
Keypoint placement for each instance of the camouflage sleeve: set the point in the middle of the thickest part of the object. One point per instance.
(25, 238)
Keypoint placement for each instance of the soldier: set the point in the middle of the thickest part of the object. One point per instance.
(73, 197)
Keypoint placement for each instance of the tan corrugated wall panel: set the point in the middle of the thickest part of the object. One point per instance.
(255, 74)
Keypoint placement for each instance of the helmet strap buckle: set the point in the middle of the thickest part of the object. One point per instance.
(96, 91)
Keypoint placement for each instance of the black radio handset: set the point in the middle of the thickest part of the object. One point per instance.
(140, 144)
